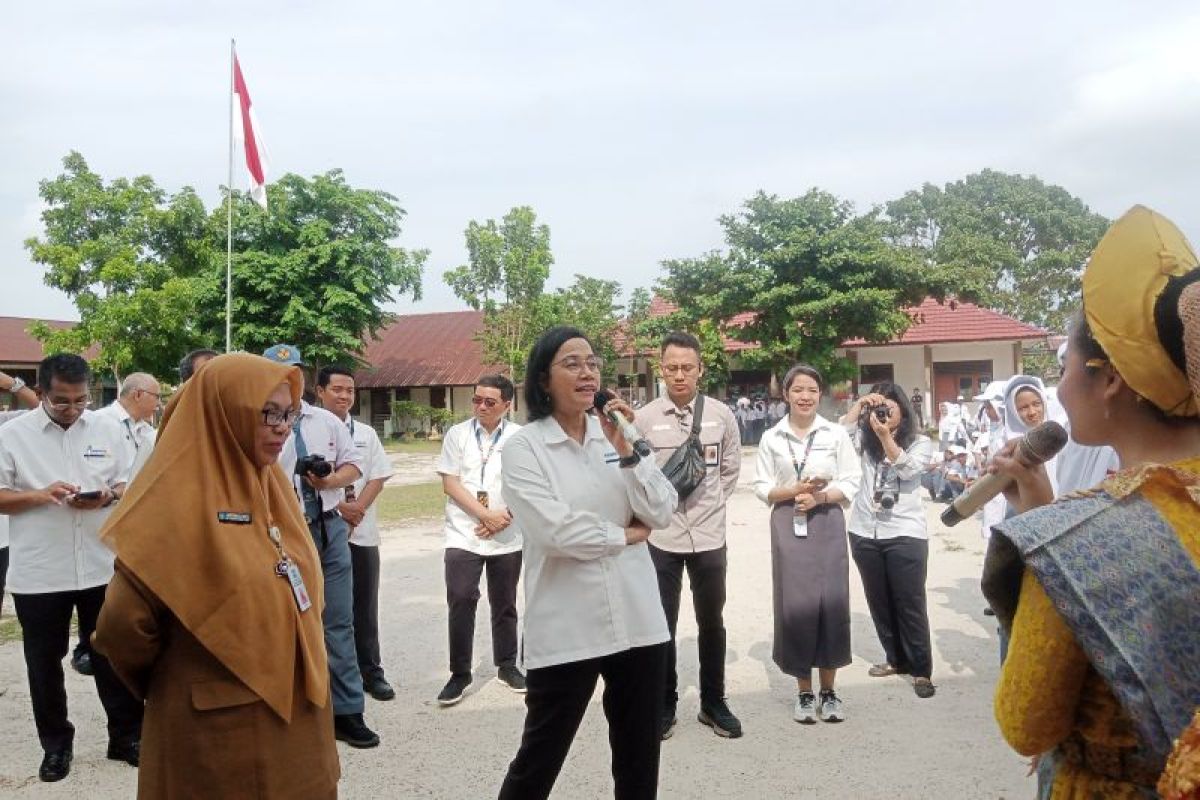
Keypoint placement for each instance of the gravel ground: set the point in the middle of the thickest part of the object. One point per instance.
(892, 746)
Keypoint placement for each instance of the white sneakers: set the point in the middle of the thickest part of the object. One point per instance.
(808, 710)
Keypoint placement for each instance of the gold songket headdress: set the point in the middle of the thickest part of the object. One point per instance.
(1127, 273)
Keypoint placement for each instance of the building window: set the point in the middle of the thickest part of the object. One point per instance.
(870, 374)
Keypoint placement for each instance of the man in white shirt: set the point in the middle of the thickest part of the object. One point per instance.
(480, 534)
(26, 397)
(321, 448)
(695, 539)
(61, 468)
(134, 409)
(335, 390)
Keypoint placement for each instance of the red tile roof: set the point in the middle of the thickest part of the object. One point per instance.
(661, 308)
(956, 321)
(17, 346)
(426, 350)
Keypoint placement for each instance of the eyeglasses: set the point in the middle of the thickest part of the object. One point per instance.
(575, 365)
(486, 402)
(273, 417)
(80, 404)
(155, 395)
(686, 369)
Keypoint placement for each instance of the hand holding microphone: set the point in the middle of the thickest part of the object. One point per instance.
(1015, 466)
(616, 416)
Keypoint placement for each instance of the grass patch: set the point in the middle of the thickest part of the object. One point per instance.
(412, 446)
(10, 629)
(398, 504)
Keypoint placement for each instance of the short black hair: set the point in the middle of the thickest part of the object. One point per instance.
(803, 369)
(328, 372)
(67, 367)
(538, 404)
(681, 339)
(498, 381)
(187, 364)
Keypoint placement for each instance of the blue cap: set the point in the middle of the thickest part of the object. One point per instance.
(283, 354)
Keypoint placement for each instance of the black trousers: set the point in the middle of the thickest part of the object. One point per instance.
(46, 628)
(557, 699)
(706, 574)
(893, 576)
(3, 574)
(364, 564)
(463, 571)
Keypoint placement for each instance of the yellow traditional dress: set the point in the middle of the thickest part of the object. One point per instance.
(1055, 697)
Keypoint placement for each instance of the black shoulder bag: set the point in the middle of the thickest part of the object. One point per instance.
(685, 468)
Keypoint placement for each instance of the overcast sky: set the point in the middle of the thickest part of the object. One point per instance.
(628, 126)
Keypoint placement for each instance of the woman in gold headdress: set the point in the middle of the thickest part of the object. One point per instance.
(214, 614)
(1103, 666)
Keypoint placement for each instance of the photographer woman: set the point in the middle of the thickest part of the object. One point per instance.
(888, 536)
(586, 504)
(807, 473)
(1102, 673)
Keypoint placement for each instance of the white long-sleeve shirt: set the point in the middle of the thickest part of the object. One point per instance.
(907, 516)
(587, 593)
(832, 457)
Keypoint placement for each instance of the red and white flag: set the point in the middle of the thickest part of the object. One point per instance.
(250, 133)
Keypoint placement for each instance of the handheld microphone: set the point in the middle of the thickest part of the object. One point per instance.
(631, 434)
(1036, 447)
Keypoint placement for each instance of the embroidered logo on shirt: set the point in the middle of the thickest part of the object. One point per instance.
(611, 457)
(233, 517)
(96, 452)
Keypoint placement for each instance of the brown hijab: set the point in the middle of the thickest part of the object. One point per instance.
(218, 578)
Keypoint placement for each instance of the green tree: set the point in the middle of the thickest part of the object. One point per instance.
(132, 260)
(315, 270)
(1017, 241)
(801, 276)
(505, 277)
(592, 305)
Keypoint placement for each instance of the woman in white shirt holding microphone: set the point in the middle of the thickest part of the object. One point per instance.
(586, 504)
(808, 472)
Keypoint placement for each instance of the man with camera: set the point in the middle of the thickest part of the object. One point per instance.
(321, 460)
(695, 540)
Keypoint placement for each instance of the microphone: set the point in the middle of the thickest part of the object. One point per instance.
(631, 434)
(1036, 447)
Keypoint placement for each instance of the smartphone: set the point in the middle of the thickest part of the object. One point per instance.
(94, 495)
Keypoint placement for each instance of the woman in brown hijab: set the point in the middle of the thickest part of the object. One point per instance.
(214, 614)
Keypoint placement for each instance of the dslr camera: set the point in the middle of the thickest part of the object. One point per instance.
(314, 464)
(882, 412)
(887, 487)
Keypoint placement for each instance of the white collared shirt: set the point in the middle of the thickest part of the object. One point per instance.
(56, 548)
(907, 516)
(587, 593)
(5, 417)
(326, 435)
(375, 465)
(463, 453)
(139, 436)
(832, 457)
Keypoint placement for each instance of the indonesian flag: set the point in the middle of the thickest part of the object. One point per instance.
(250, 133)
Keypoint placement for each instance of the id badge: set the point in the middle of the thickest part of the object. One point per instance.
(800, 524)
(299, 591)
(482, 497)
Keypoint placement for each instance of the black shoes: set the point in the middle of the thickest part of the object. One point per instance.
(512, 678)
(55, 766)
(81, 662)
(924, 688)
(452, 692)
(379, 688)
(668, 722)
(129, 752)
(717, 716)
(351, 729)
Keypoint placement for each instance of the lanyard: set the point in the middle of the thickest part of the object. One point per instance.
(486, 456)
(808, 443)
(132, 436)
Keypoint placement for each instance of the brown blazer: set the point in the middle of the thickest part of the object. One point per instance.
(205, 734)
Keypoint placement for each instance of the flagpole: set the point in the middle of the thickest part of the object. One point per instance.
(229, 214)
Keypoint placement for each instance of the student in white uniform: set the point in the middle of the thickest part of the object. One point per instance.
(336, 391)
(61, 469)
(480, 535)
(134, 409)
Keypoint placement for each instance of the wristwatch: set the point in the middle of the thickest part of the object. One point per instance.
(630, 460)
(17, 385)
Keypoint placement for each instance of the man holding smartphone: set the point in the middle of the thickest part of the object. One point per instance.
(61, 469)
(480, 534)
